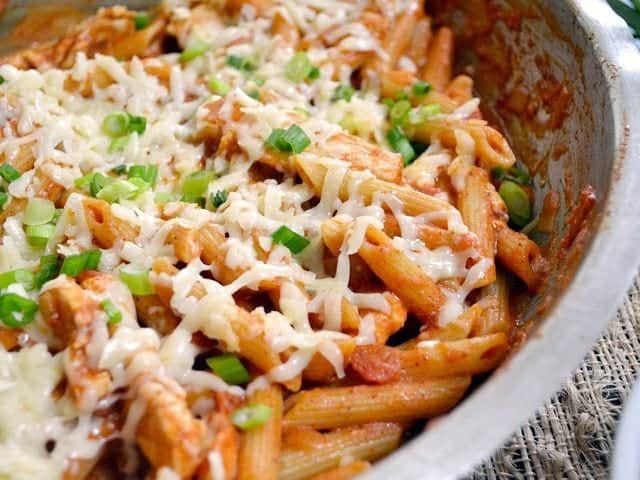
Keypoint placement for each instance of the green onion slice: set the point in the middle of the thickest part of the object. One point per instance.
(49, 268)
(2, 80)
(165, 197)
(250, 417)
(4, 198)
(137, 124)
(401, 144)
(294, 242)
(195, 184)
(16, 311)
(137, 280)
(38, 211)
(113, 314)
(74, 265)
(195, 50)
(119, 170)
(118, 144)
(116, 124)
(343, 92)
(517, 201)
(421, 88)
(218, 86)
(22, 275)
(218, 198)
(148, 173)
(141, 21)
(240, 63)
(513, 174)
(400, 112)
(298, 68)
(118, 190)
(293, 139)
(229, 368)
(39, 235)
(197, 199)
(8, 173)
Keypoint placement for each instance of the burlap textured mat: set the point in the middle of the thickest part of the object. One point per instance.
(572, 437)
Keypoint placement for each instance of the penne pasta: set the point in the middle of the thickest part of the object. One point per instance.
(324, 408)
(367, 442)
(260, 447)
(477, 212)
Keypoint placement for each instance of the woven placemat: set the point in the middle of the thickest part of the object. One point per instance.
(572, 437)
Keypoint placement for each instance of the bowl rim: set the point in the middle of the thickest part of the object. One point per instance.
(546, 360)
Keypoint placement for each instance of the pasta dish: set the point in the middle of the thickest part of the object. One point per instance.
(248, 240)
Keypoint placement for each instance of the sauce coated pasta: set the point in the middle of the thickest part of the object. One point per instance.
(247, 240)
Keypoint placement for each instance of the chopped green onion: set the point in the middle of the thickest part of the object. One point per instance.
(23, 276)
(343, 92)
(290, 239)
(229, 369)
(141, 21)
(4, 198)
(165, 197)
(38, 211)
(39, 235)
(196, 183)
(56, 215)
(119, 170)
(8, 173)
(388, 102)
(423, 113)
(137, 124)
(297, 139)
(402, 95)
(136, 280)
(16, 311)
(218, 86)
(276, 140)
(195, 50)
(118, 190)
(98, 181)
(291, 140)
(401, 144)
(250, 417)
(314, 73)
(148, 173)
(421, 88)
(113, 314)
(517, 202)
(116, 124)
(255, 94)
(197, 199)
(513, 174)
(2, 80)
(240, 63)
(74, 265)
(399, 112)
(298, 68)
(49, 268)
(118, 144)
(218, 198)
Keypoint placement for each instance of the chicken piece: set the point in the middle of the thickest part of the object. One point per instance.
(70, 311)
(222, 456)
(168, 433)
(362, 155)
(111, 31)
